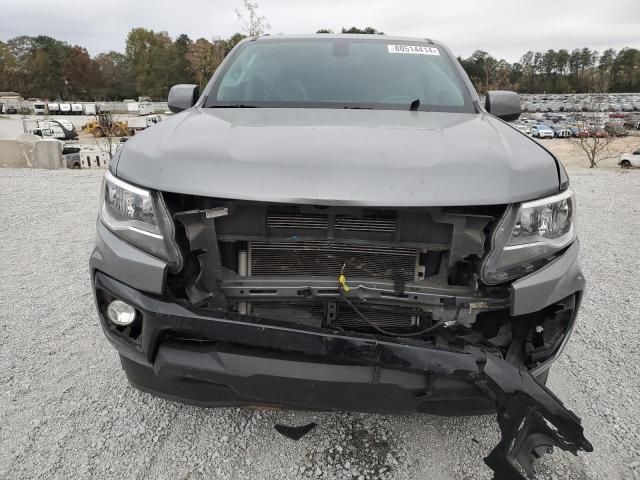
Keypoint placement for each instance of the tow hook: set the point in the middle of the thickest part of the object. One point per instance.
(531, 418)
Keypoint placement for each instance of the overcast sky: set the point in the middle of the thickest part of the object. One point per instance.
(504, 28)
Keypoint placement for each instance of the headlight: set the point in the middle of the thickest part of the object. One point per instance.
(529, 236)
(139, 217)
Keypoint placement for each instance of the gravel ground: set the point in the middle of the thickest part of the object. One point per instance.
(66, 410)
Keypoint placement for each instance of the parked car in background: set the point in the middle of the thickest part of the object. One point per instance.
(616, 130)
(579, 132)
(53, 108)
(65, 109)
(629, 160)
(600, 133)
(243, 259)
(542, 131)
(89, 108)
(562, 132)
(39, 108)
(76, 108)
(11, 110)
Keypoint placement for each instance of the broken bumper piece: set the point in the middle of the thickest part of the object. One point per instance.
(210, 359)
(531, 418)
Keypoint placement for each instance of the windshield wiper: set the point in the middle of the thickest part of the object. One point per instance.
(348, 107)
(234, 105)
(413, 107)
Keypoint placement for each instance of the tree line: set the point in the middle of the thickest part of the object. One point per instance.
(43, 67)
(558, 71)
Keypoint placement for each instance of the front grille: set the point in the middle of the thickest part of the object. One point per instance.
(371, 220)
(298, 221)
(323, 258)
(344, 222)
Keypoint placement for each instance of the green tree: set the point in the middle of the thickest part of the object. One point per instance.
(8, 68)
(116, 80)
(151, 57)
(202, 60)
(81, 74)
(182, 69)
(233, 41)
(366, 30)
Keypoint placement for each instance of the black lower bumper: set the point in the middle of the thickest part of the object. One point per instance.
(206, 375)
(226, 360)
(193, 357)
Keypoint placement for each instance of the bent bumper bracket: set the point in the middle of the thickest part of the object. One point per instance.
(531, 418)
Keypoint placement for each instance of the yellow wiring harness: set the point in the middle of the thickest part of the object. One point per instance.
(342, 280)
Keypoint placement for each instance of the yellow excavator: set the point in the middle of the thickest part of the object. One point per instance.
(104, 125)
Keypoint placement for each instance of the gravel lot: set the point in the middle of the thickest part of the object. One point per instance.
(66, 410)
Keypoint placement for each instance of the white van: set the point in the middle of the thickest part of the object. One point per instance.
(76, 108)
(39, 108)
(140, 108)
(65, 109)
(53, 108)
(89, 108)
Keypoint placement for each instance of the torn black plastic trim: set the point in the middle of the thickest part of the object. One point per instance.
(220, 358)
(531, 418)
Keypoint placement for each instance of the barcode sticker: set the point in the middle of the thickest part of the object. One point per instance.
(413, 49)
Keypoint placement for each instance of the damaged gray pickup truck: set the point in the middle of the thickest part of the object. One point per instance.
(336, 222)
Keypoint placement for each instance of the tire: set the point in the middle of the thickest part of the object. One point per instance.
(118, 132)
(97, 132)
(76, 165)
(625, 164)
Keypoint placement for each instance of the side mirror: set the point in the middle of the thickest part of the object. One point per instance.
(182, 97)
(503, 104)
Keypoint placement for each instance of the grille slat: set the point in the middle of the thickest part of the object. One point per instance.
(323, 258)
(293, 220)
(298, 221)
(365, 224)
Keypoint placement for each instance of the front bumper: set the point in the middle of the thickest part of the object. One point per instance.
(212, 361)
(195, 356)
(229, 356)
(207, 360)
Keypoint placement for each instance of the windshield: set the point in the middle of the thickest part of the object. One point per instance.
(340, 73)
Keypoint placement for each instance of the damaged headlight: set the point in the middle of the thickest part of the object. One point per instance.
(139, 217)
(529, 236)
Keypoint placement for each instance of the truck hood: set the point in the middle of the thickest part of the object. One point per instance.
(350, 157)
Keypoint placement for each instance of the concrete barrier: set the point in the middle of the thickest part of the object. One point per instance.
(30, 151)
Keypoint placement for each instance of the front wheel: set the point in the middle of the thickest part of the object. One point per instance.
(625, 164)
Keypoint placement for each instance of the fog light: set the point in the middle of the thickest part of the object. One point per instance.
(121, 313)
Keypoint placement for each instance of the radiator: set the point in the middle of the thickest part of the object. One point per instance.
(324, 258)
